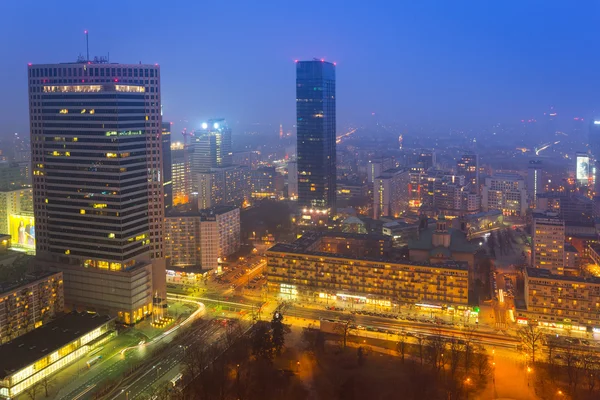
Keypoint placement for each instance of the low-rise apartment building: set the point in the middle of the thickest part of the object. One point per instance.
(304, 267)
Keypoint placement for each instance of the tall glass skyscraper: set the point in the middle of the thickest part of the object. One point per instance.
(316, 127)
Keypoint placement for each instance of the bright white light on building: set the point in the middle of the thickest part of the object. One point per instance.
(216, 125)
(204, 125)
(596, 122)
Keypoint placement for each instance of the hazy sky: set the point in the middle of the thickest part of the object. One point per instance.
(447, 63)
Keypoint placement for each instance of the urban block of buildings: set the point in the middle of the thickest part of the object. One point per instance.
(359, 267)
(28, 302)
(505, 192)
(202, 238)
(571, 302)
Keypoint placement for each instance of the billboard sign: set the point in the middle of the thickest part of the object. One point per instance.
(22, 231)
(583, 167)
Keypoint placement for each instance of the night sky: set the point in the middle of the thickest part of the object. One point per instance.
(452, 64)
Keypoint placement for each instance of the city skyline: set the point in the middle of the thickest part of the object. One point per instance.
(406, 72)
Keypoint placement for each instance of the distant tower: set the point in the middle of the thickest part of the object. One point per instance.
(280, 131)
(315, 150)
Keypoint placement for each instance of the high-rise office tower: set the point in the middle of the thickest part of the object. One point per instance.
(167, 172)
(98, 189)
(468, 166)
(316, 127)
(390, 193)
(212, 146)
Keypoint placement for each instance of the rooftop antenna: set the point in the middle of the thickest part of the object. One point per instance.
(87, 45)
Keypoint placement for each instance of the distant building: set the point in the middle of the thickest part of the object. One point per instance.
(212, 146)
(572, 208)
(292, 176)
(548, 239)
(219, 235)
(35, 356)
(358, 268)
(262, 182)
(223, 186)
(594, 142)
(505, 192)
(167, 165)
(316, 136)
(562, 301)
(390, 193)
(468, 166)
(200, 238)
(534, 181)
(376, 167)
(181, 173)
(14, 175)
(27, 303)
(426, 158)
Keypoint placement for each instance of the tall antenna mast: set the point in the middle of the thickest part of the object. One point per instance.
(87, 45)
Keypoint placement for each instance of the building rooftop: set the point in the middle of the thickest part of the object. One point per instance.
(27, 349)
(458, 241)
(570, 248)
(217, 210)
(301, 246)
(547, 274)
(25, 279)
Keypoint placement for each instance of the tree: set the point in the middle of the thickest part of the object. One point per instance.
(456, 350)
(262, 343)
(482, 362)
(32, 391)
(47, 384)
(420, 343)
(468, 347)
(436, 345)
(344, 327)
(590, 369)
(401, 346)
(532, 339)
(360, 355)
(572, 362)
(278, 335)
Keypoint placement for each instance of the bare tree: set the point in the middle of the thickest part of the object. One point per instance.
(33, 390)
(589, 365)
(468, 335)
(401, 346)
(47, 384)
(456, 349)
(482, 362)
(532, 339)
(344, 327)
(420, 343)
(436, 346)
(572, 363)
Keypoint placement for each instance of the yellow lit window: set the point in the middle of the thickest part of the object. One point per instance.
(111, 235)
(67, 251)
(82, 211)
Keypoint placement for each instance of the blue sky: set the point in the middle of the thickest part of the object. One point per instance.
(444, 63)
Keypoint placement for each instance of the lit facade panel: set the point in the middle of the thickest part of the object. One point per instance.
(316, 134)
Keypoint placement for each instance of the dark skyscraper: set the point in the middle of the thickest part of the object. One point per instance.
(316, 127)
(167, 165)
